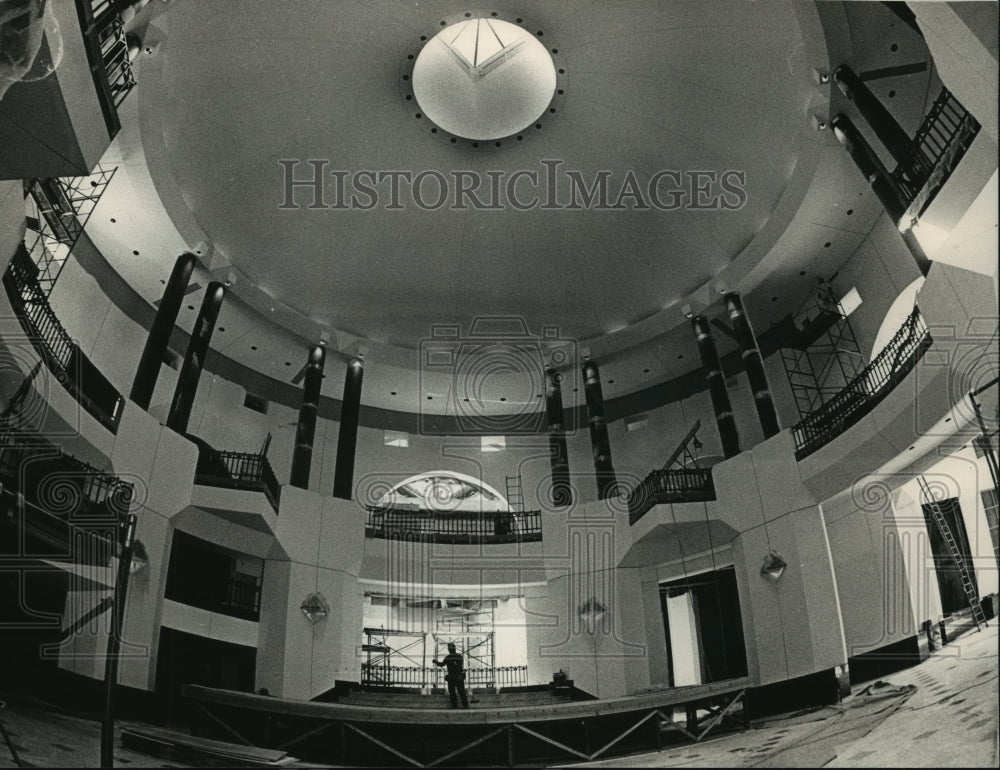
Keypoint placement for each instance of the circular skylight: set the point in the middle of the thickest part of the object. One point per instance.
(484, 79)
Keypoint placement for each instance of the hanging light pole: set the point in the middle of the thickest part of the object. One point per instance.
(127, 534)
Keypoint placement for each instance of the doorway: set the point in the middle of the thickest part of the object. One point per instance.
(703, 628)
(949, 577)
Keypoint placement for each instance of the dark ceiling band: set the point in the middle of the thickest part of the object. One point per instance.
(159, 333)
(305, 430)
(604, 471)
(717, 387)
(562, 492)
(343, 474)
(753, 364)
(194, 358)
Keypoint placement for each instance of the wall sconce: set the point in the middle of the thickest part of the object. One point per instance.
(315, 607)
(773, 567)
(592, 611)
(140, 559)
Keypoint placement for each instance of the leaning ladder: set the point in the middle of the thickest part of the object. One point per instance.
(978, 616)
(515, 497)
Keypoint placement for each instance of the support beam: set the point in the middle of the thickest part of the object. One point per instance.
(888, 131)
(305, 431)
(562, 492)
(716, 387)
(753, 364)
(871, 166)
(604, 471)
(159, 334)
(194, 358)
(343, 474)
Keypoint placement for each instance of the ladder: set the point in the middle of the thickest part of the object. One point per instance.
(978, 616)
(515, 498)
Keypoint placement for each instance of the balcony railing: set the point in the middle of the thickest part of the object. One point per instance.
(943, 137)
(60, 501)
(107, 54)
(676, 485)
(866, 390)
(62, 356)
(375, 675)
(237, 470)
(455, 526)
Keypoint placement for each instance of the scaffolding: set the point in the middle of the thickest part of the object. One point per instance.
(821, 356)
(387, 652)
(469, 624)
(56, 212)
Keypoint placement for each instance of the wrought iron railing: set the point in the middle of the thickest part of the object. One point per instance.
(62, 356)
(238, 470)
(374, 675)
(676, 485)
(240, 598)
(455, 526)
(71, 506)
(945, 133)
(107, 54)
(866, 390)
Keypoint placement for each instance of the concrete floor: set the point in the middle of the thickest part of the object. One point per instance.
(942, 713)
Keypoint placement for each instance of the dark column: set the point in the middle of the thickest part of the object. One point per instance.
(343, 472)
(717, 387)
(159, 334)
(562, 492)
(871, 166)
(305, 432)
(753, 364)
(888, 131)
(194, 358)
(604, 471)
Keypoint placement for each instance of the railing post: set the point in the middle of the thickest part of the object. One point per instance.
(717, 387)
(194, 358)
(343, 474)
(753, 364)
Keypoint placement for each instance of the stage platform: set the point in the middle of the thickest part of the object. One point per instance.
(365, 734)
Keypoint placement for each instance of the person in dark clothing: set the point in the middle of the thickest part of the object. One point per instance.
(455, 677)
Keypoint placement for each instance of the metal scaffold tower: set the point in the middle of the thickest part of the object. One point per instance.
(822, 355)
(56, 212)
(468, 623)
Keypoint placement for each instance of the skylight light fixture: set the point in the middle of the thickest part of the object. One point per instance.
(484, 78)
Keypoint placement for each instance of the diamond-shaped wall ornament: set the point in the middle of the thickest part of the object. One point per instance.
(315, 607)
(773, 567)
(592, 610)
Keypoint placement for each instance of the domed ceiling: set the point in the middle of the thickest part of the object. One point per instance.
(697, 117)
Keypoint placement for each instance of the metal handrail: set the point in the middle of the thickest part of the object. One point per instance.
(675, 485)
(378, 675)
(866, 390)
(238, 470)
(61, 354)
(946, 122)
(455, 526)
